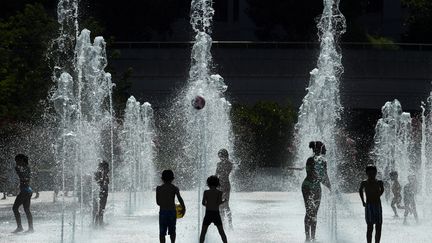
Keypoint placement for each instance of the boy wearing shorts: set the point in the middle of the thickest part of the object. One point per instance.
(165, 198)
(373, 211)
(212, 199)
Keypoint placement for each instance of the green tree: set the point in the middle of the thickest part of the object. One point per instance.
(263, 133)
(24, 73)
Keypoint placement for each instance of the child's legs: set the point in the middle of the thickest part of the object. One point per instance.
(369, 233)
(19, 200)
(414, 209)
(378, 233)
(173, 237)
(203, 233)
(26, 204)
(393, 205)
(222, 233)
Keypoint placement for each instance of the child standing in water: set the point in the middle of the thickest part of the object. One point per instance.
(102, 179)
(212, 199)
(223, 171)
(316, 174)
(409, 191)
(373, 211)
(165, 198)
(397, 196)
(24, 197)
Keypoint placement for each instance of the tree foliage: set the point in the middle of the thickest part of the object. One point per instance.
(24, 73)
(263, 133)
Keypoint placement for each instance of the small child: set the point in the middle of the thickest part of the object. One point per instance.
(373, 211)
(212, 199)
(24, 197)
(410, 190)
(165, 198)
(397, 196)
(101, 177)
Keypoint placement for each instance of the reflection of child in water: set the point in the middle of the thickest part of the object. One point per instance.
(396, 190)
(409, 191)
(373, 211)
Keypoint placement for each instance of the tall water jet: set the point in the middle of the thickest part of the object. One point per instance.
(393, 142)
(204, 131)
(138, 150)
(426, 150)
(83, 104)
(320, 111)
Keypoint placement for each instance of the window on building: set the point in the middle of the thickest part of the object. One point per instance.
(375, 6)
(221, 10)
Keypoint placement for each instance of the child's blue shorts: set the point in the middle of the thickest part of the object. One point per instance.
(373, 213)
(167, 222)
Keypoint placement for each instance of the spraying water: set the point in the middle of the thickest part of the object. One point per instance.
(321, 108)
(137, 150)
(83, 104)
(426, 151)
(207, 130)
(393, 141)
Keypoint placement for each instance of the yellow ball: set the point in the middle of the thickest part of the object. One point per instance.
(179, 209)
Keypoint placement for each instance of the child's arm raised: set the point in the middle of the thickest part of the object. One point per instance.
(362, 186)
(180, 199)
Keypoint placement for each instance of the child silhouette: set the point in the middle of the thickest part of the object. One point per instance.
(373, 211)
(165, 196)
(212, 199)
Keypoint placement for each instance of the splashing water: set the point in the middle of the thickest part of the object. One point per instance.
(393, 142)
(206, 131)
(426, 150)
(83, 103)
(320, 111)
(137, 150)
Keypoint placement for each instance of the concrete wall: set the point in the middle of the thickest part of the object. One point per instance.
(371, 77)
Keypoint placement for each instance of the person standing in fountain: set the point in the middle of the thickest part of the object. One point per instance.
(223, 171)
(409, 192)
(212, 199)
(397, 196)
(165, 198)
(102, 179)
(373, 211)
(24, 197)
(316, 170)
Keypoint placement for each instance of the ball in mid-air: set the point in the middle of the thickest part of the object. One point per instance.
(198, 102)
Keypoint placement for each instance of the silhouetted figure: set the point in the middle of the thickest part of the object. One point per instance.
(212, 199)
(373, 211)
(24, 197)
(101, 177)
(397, 196)
(410, 191)
(165, 198)
(223, 171)
(316, 170)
